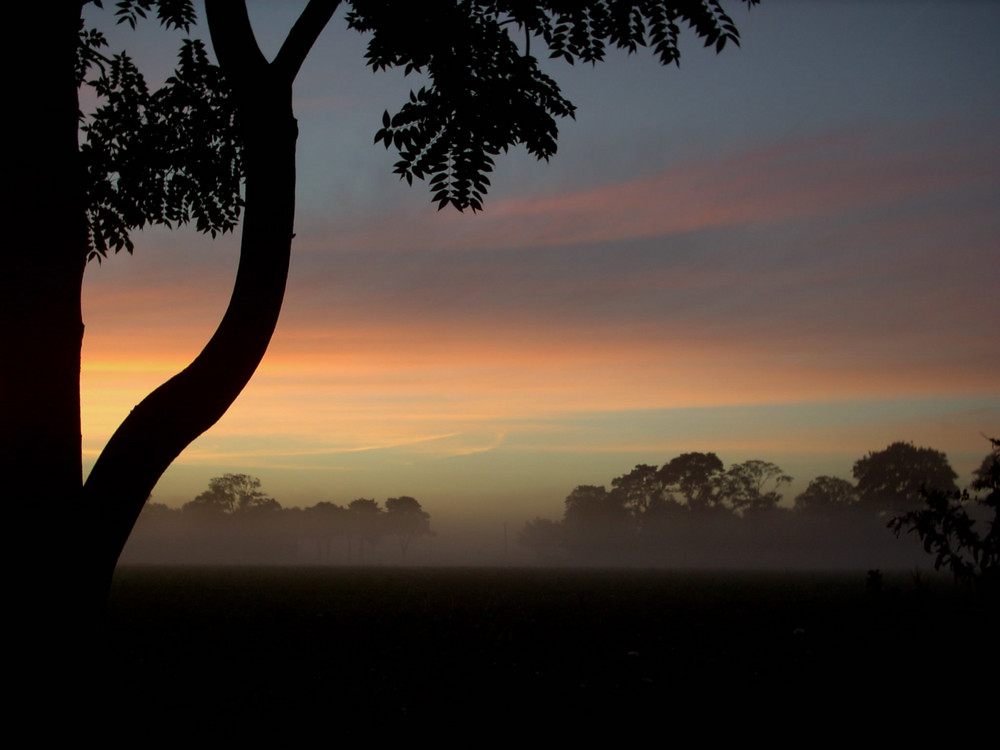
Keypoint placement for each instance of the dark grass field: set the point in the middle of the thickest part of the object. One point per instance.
(242, 652)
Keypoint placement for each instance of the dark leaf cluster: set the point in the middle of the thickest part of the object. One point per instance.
(177, 14)
(947, 526)
(88, 53)
(232, 494)
(485, 94)
(170, 156)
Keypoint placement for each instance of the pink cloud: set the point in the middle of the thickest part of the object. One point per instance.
(830, 175)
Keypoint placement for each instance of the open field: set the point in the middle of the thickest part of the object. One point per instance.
(267, 649)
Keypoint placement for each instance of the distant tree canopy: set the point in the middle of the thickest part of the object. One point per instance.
(695, 477)
(827, 494)
(646, 501)
(892, 480)
(235, 504)
(653, 511)
(406, 520)
(595, 517)
(752, 486)
(638, 489)
(231, 494)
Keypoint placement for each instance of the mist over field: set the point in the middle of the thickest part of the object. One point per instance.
(784, 543)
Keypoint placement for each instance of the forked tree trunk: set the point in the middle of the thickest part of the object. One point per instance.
(63, 543)
(166, 421)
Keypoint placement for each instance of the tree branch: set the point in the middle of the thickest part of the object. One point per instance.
(302, 37)
(233, 40)
(169, 418)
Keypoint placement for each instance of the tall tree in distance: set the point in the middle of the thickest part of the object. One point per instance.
(485, 93)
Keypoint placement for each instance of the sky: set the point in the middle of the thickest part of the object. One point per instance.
(786, 252)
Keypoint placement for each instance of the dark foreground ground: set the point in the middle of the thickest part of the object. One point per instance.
(358, 654)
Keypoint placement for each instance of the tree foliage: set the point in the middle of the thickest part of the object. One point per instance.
(174, 155)
(169, 156)
(639, 489)
(231, 494)
(695, 477)
(827, 493)
(595, 519)
(893, 480)
(487, 94)
(967, 547)
(406, 520)
(752, 486)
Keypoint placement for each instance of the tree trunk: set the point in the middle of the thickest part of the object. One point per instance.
(166, 421)
(43, 251)
(43, 255)
(66, 542)
(63, 543)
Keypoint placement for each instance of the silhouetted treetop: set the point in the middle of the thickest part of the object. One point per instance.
(174, 155)
(486, 94)
(753, 485)
(639, 489)
(827, 493)
(695, 476)
(233, 493)
(893, 479)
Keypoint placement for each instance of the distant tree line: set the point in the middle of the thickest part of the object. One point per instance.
(234, 520)
(693, 511)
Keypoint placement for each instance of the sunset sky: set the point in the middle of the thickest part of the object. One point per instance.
(788, 251)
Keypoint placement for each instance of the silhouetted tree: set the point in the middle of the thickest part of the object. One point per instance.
(326, 521)
(231, 494)
(987, 477)
(744, 487)
(191, 146)
(892, 480)
(595, 519)
(695, 477)
(405, 519)
(825, 494)
(638, 489)
(970, 549)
